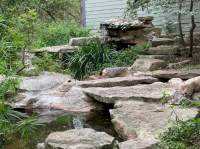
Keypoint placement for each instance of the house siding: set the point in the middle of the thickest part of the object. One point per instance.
(97, 11)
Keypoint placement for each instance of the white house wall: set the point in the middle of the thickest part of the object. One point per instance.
(97, 11)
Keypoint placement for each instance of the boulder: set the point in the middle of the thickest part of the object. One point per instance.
(120, 81)
(162, 41)
(78, 139)
(115, 72)
(148, 92)
(143, 122)
(44, 81)
(163, 50)
(174, 73)
(148, 65)
(81, 41)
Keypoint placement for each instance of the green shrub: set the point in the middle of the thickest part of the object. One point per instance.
(89, 58)
(184, 135)
(28, 127)
(59, 33)
(97, 56)
(127, 56)
(8, 87)
(47, 62)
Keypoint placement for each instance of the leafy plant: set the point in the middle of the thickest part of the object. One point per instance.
(8, 87)
(47, 62)
(57, 33)
(96, 56)
(27, 127)
(89, 58)
(183, 135)
(127, 56)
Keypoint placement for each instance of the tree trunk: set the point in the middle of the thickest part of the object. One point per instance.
(180, 23)
(192, 28)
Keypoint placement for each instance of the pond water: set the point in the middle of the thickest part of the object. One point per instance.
(60, 121)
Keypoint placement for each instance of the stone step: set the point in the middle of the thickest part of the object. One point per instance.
(163, 50)
(161, 57)
(162, 41)
(81, 41)
(141, 123)
(148, 92)
(179, 64)
(57, 49)
(175, 73)
(120, 81)
(145, 64)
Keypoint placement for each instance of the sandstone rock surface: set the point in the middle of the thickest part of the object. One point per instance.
(46, 80)
(144, 64)
(148, 92)
(143, 122)
(173, 73)
(119, 81)
(81, 41)
(163, 50)
(162, 41)
(78, 139)
(115, 72)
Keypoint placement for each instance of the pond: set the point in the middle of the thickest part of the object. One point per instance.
(60, 121)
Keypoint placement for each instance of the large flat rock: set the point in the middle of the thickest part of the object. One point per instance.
(163, 50)
(72, 101)
(57, 49)
(145, 64)
(175, 73)
(46, 80)
(120, 81)
(162, 41)
(143, 122)
(78, 139)
(81, 41)
(148, 92)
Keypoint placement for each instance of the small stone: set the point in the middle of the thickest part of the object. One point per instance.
(115, 72)
(41, 146)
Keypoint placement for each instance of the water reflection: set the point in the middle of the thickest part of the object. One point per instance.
(61, 121)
